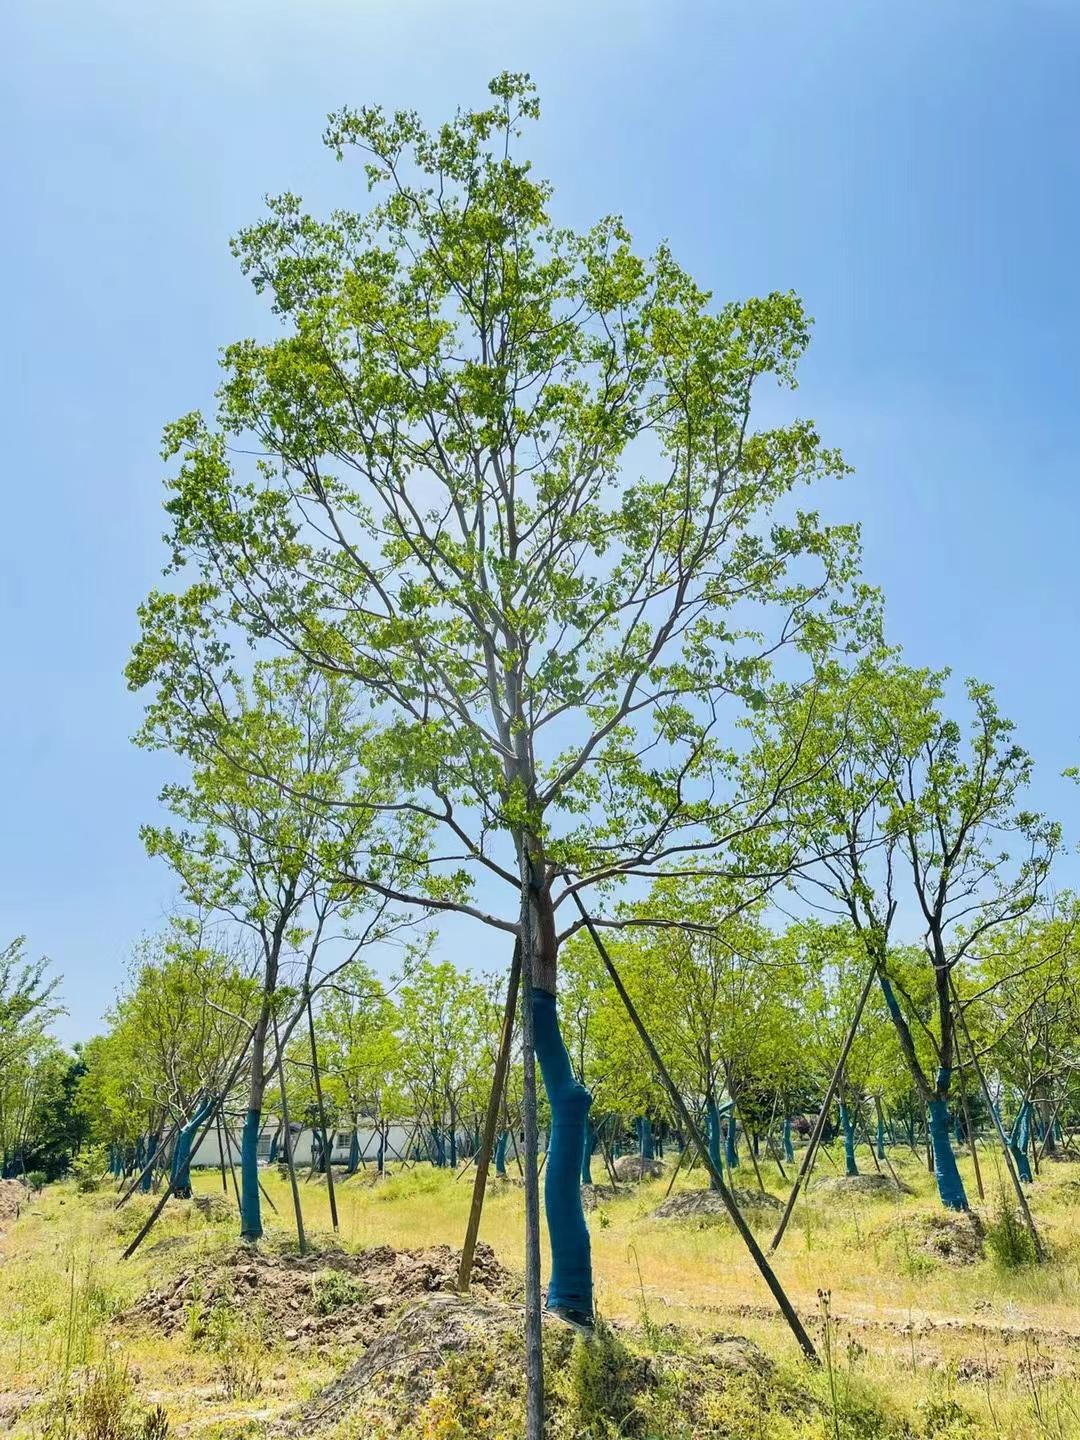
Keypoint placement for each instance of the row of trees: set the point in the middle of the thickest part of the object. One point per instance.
(752, 1022)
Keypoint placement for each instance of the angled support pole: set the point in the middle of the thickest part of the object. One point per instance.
(327, 1152)
(1021, 1198)
(491, 1120)
(823, 1113)
(767, 1273)
(301, 1237)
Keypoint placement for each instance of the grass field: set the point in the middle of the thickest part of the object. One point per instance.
(917, 1345)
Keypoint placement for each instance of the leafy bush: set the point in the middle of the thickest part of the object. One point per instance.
(88, 1167)
(36, 1179)
(1007, 1237)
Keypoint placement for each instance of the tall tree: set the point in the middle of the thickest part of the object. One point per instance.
(513, 494)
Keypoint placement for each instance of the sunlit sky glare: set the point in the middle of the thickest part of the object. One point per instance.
(911, 171)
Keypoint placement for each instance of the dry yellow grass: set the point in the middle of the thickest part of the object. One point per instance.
(908, 1328)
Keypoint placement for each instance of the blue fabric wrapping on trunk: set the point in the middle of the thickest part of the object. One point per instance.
(571, 1285)
(731, 1147)
(714, 1133)
(646, 1148)
(587, 1153)
(181, 1161)
(250, 1208)
(950, 1186)
(789, 1149)
(849, 1139)
(152, 1143)
(1018, 1142)
(500, 1153)
(354, 1154)
(880, 1136)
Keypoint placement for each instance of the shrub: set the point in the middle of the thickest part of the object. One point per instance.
(1007, 1237)
(106, 1409)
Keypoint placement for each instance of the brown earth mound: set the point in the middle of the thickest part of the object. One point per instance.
(871, 1187)
(957, 1238)
(446, 1352)
(632, 1167)
(593, 1196)
(13, 1196)
(692, 1204)
(314, 1298)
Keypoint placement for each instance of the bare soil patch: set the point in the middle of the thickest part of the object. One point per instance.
(869, 1187)
(310, 1300)
(632, 1167)
(957, 1238)
(694, 1204)
(13, 1196)
(440, 1344)
(593, 1196)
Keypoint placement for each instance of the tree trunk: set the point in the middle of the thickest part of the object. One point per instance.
(848, 1126)
(250, 1208)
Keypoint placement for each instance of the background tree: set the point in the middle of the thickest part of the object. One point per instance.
(906, 811)
(268, 826)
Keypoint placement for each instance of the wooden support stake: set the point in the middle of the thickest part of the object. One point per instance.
(491, 1120)
(1025, 1209)
(328, 1153)
(298, 1211)
(823, 1113)
(767, 1273)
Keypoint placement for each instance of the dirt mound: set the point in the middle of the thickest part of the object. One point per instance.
(870, 1187)
(955, 1237)
(452, 1361)
(13, 1196)
(632, 1167)
(214, 1207)
(399, 1369)
(314, 1298)
(593, 1196)
(692, 1204)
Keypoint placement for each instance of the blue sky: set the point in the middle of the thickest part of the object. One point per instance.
(911, 170)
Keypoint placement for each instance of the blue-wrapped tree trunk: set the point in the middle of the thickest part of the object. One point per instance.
(646, 1148)
(731, 1147)
(714, 1132)
(1018, 1144)
(181, 1160)
(570, 1287)
(880, 1136)
(500, 1155)
(152, 1143)
(847, 1124)
(587, 1153)
(950, 1186)
(354, 1153)
(789, 1148)
(250, 1205)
